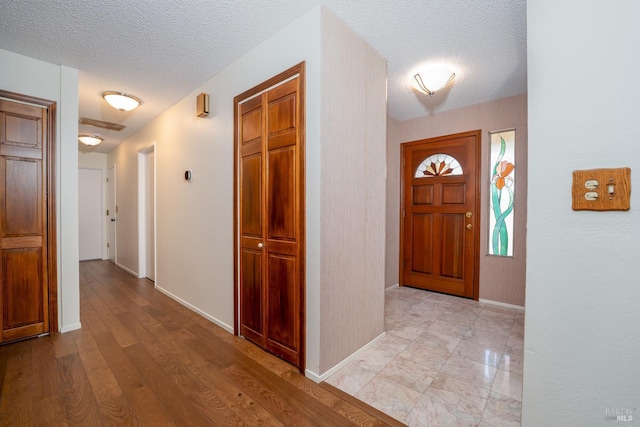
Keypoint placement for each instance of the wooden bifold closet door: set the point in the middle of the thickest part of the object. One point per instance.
(270, 216)
(26, 220)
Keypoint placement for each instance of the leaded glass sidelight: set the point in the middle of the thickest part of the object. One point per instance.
(438, 165)
(502, 192)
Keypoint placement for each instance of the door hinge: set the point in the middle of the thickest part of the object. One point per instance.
(403, 161)
(107, 244)
(107, 212)
(107, 179)
(403, 213)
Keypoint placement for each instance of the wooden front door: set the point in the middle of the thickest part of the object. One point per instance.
(26, 220)
(440, 212)
(270, 216)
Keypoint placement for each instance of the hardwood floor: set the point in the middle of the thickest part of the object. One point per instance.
(143, 359)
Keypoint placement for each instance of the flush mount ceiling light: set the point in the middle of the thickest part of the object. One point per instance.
(121, 101)
(90, 140)
(432, 80)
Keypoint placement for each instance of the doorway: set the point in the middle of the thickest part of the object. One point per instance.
(90, 213)
(28, 260)
(147, 213)
(269, 216)
(439, 236)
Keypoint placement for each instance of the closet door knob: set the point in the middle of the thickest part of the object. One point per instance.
(260, 245)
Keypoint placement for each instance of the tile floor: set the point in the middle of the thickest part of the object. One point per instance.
(445, 361)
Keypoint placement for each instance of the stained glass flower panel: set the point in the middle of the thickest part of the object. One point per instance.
(502, 192)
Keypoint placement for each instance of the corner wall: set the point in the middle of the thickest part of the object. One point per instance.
(501, 279)
(582, 334)
(353, 192)
(29, 76)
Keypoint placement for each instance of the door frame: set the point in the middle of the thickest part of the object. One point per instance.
(52, 245)
(285, 76)
(112, 207)
(477, 208)
(143, 188)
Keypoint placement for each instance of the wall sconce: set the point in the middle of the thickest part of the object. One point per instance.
(202, 103)
(90, 140)
(433, 80)
(121, 101)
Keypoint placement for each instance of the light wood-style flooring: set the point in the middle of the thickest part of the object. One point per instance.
(143, 359)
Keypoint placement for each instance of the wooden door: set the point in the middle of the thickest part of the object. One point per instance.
(440, 212)
(270, 189)
(25, 215)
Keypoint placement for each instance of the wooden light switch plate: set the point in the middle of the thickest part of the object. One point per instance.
(591, 190)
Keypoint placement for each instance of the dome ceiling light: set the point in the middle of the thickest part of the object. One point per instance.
(121, 101)
(90, 140)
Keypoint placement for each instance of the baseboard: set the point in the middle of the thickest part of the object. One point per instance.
(70, 328)
(122, 267)
(501, 304)
(195, 309)
(319, 378)
(392, 287)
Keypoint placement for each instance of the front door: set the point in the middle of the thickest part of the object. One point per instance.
(439, 235)
(26, 220)
(270, 215)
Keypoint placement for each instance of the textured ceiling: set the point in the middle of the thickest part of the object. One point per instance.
(160, 50)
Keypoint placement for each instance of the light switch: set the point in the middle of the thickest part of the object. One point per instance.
(601, 189)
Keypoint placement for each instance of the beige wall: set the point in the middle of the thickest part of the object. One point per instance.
(501, 279)
(353, 192)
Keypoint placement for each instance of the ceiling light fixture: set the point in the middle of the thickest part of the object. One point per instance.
(90, 140)
(433, 80)
(121, 101)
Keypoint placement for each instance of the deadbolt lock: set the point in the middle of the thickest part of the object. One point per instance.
(468, 214)
(469, 226)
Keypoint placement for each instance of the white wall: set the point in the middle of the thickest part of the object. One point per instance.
(582, 326)
(28, 76)
(98, 161)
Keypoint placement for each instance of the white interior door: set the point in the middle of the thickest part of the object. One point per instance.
(111, 218)
(150, 220)
(90, 213)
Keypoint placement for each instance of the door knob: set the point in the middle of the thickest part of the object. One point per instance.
(260, 245)
(469, 226)
(113, 220)
(468, 214)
